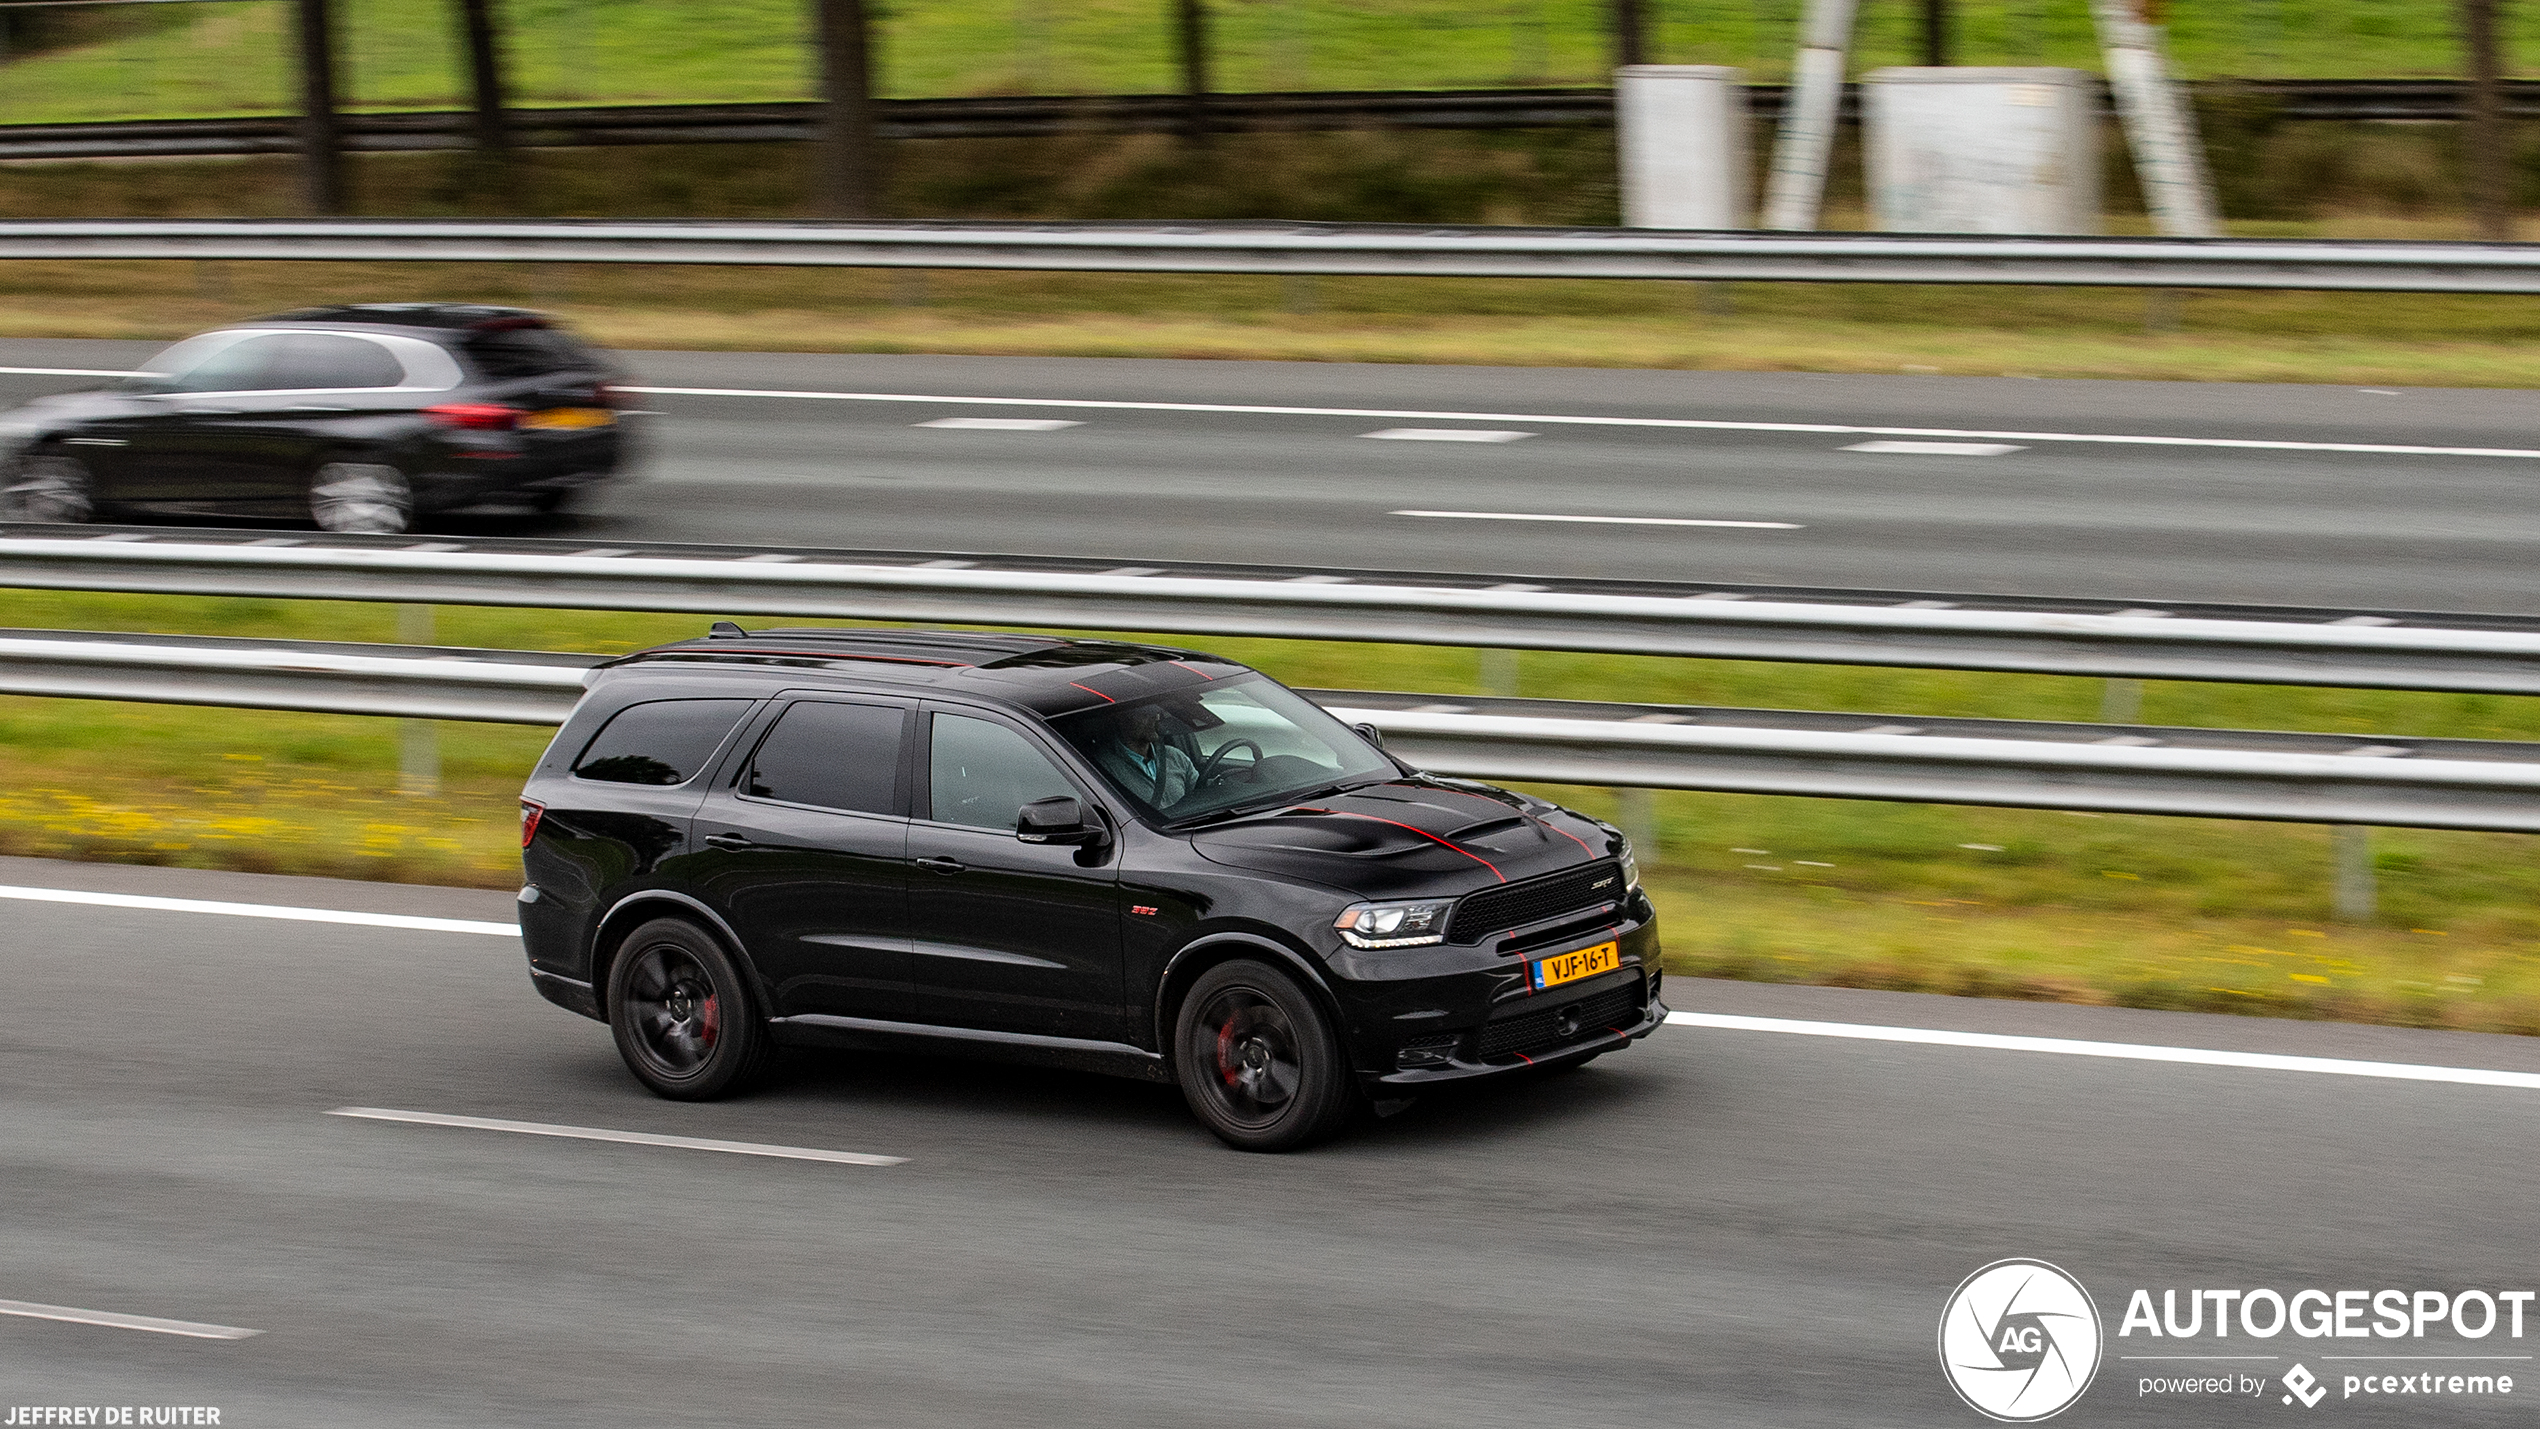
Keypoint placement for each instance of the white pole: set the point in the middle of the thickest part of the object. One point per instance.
(1805, 148)
(2158, 126)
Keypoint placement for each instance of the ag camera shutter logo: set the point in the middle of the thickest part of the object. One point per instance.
(2019, 1341)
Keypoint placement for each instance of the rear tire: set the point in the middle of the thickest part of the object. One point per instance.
(361, 498)
(56, 489)
(683, 1015)
(1257, 1060)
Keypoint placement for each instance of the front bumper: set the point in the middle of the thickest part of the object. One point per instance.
(1468, 1064)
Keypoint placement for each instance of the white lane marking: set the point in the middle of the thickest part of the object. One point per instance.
(63, 372)
(628, 1138)
(1693, 424)
(259, 910)
(32, 1311)
(1597, 520)
(1001, 424)
(1895, 448)
(2123, 1051)
(1443, 434)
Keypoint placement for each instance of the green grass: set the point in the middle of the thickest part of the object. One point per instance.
(401, 54)
(2116, 909)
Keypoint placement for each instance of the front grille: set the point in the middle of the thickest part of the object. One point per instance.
(1495, 910)
(1538, 1030)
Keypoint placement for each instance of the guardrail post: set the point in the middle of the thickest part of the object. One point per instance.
(849, 183)
(1499, 673)
(418, 740)
(2358, 892)
(1191, 37)
(1636, 814)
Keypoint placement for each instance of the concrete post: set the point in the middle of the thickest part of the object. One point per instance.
(418, 740)
(1636, 813)
(1805, 147)
(1682, 143)
(2358, 891)
(2158, 124)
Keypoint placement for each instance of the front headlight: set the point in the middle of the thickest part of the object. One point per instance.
(1631, 872)
(1393, 925)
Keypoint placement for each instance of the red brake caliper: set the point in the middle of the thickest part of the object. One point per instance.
(1225, 1044)
(709, 1020)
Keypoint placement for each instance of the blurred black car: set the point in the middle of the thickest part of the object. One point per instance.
(360, 417)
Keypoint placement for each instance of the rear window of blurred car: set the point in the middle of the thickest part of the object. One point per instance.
(659, 742)
(508, 353)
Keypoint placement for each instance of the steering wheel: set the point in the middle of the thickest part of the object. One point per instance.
(1208, 766)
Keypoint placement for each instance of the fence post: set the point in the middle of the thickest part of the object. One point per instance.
(1499, 673)
(484, 38)
(850, 154)
(2490, 150)
(418, 740)
(1190, 30)
(2121, 701)
(1631, 33)
(1935, 33)
(322, 189)
(2358, 893)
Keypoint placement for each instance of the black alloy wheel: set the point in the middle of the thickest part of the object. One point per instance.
(1258, 1061)
(50, 488)
(682, 1014)
(361, 498)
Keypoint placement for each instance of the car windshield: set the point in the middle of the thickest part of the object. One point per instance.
(1238, 743)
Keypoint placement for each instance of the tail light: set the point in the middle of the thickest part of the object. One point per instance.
(475, 416)
(531, 811)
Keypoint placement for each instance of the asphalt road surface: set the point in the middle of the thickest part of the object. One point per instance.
(1717, 1228)
(2136, 491)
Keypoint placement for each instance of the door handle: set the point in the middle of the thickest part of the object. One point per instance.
(304, 411)
(730, 841)
(946, 866)
(207, 411)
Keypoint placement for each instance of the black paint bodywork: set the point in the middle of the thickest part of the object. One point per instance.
(216, 453)
(1074, 956)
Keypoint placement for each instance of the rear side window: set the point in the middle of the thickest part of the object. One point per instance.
(330, 359)
(530, 352)
(832, 756)
(659, 742)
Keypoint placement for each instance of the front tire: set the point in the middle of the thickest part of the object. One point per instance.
(1257, 1060)
(682, 1013)
(56, 489)
(361, 498)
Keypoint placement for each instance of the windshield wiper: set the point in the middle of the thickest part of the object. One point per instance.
(1257, 806)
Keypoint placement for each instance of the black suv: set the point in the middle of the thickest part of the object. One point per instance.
(1133, 860)
(359, 417)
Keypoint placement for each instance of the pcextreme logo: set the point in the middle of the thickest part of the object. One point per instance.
(2019, 1341)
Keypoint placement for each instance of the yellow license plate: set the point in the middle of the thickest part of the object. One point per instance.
(568, 419)
(1570, 967)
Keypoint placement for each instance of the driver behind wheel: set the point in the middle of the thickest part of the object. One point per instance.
(1137, 755)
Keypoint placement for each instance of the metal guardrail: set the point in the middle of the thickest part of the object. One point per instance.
(1510, 615)
(2446, 784)
(1365, 249)
(1028, 116)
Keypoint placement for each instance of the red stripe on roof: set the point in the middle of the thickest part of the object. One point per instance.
(1097, 694)
(1194, 669)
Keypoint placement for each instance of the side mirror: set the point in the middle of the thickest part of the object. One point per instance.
(1369, 733)
(1059, 819)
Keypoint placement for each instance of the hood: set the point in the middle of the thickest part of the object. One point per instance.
(1411, 837)
(45, 414)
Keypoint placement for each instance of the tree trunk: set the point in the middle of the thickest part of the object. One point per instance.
(1935, 32)
(322, 187)
(485, 77)
(1631, 33)
(850, 160)
(2490, 167)
(1191, 34)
